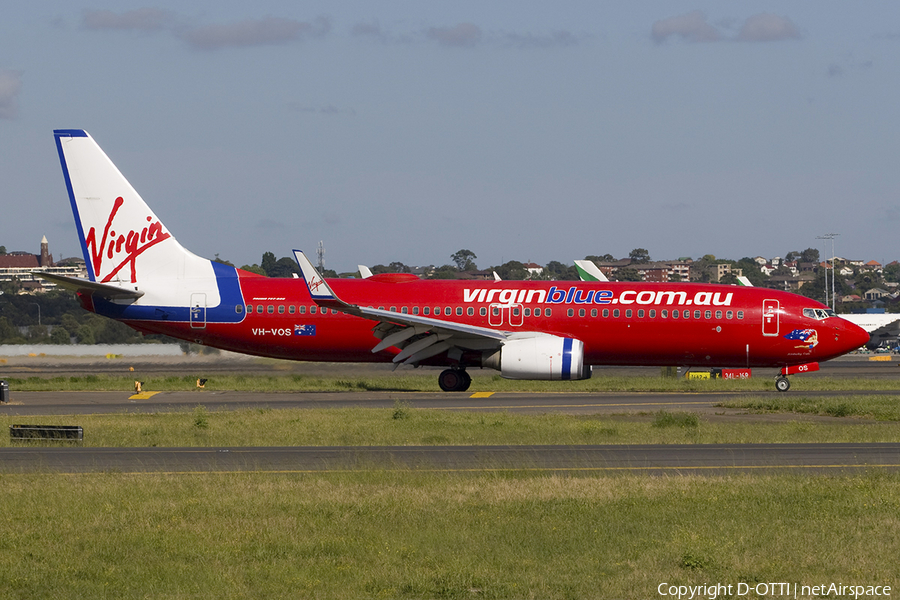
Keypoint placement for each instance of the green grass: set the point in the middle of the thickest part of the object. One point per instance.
(410, 535)
(407, 426)
(881, 408)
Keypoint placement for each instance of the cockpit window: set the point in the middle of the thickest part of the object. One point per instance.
(818, 313)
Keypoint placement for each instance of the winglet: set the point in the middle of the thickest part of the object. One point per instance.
(319, 290)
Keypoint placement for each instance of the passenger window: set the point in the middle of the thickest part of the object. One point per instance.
(459, 311)
(281, 309)
(537, 312)
(302, 310)
(605, 313)
(616, 313)
(547, 312)
(640, 313)
(249, 308)
(664, 314)
(482, 311)
(393, 309)
(495, 311)
(729, 314)
(652, 314)
(580, 312)
(470, 311)
(696, 314)
(415, 310)
(313, 310)
(404, 310)
(291, 309)
(570, 312)
(527, 312)
(593, 312)
(628, 314)
(516, 311)
(740, 314)
(239, 308)
(718, 314)
(707, 314)
(426, 310)
(448, 311)
(259, 309)
(674, 314)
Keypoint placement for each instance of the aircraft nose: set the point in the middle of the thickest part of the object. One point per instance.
(853, 336)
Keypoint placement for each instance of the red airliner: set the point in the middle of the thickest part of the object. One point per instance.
(139, 274)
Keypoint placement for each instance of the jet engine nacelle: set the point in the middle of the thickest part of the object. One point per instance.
(542, 356)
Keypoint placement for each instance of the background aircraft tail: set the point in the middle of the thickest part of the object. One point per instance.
(124, 242)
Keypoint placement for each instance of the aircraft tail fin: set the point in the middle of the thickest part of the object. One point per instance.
(123, 241)
(588, 271)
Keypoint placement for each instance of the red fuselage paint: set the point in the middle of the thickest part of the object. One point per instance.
(619, 323)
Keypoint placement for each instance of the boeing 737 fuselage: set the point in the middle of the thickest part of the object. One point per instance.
(140, 275)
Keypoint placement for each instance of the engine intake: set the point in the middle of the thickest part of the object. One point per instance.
(543, 356)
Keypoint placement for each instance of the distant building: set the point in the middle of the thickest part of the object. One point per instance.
(20, 267)
(534, 269)
(876, 294)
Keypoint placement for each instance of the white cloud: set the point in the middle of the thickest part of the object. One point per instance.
(694, 27)
(462, 35)
(255, 32)
(691, 27)
(141, 19)
(10, 86)
(766, 27)
(531, 40)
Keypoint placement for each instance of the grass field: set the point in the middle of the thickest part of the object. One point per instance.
(408, 535)
(427, 383)
(405, 426)
(405, 534)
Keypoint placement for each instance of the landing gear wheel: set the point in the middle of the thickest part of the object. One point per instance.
(782, 384)
(454, 380)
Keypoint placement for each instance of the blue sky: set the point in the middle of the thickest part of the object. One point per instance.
(519, 130)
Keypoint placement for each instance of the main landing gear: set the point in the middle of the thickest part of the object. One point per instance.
(782, 383)
(454, 380)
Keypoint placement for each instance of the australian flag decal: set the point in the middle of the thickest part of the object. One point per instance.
(808, 337)
(304, 330)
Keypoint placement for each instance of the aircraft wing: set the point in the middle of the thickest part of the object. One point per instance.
(104, 290)
(418, 337)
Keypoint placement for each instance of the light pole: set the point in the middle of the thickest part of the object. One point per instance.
(829, 236)
(39, 312)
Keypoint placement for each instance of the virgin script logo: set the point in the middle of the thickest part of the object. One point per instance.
(124, 248)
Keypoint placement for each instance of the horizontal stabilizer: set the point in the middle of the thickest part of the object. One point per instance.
(103, 290)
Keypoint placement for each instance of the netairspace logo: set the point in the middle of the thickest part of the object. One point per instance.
(772, 590)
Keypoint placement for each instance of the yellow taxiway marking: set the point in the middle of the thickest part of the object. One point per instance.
(143, 396)
(880, 358)
(482, 395)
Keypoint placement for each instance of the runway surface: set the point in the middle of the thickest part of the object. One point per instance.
(672, 459)
(658, 459)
